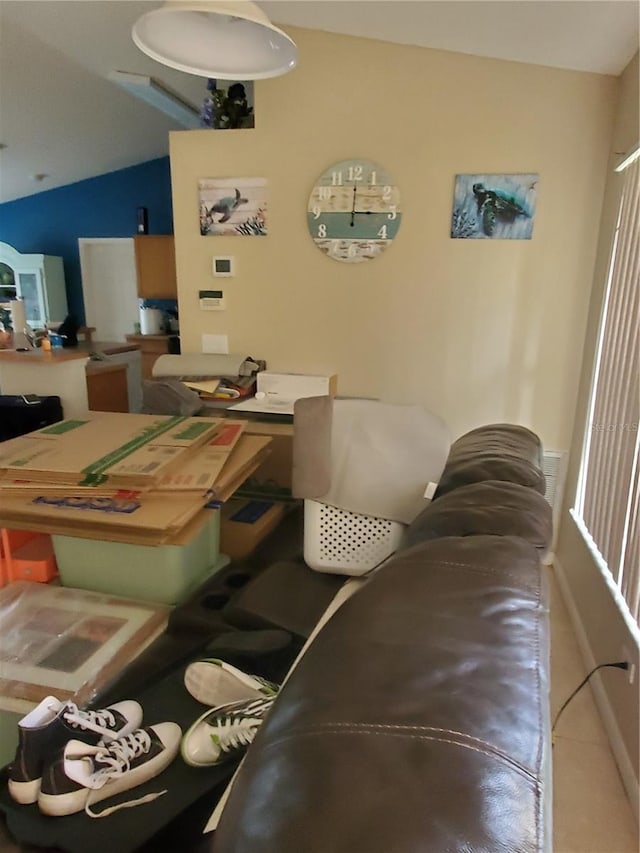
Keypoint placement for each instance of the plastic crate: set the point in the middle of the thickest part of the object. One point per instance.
(166, 574)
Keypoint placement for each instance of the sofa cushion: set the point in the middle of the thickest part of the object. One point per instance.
(417, 721)
(485, 467)
(495, 507)
(503, 439)
(496, 452)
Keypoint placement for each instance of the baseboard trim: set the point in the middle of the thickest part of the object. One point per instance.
(607, 715)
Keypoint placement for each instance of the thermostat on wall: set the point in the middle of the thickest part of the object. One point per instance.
(211, 300)
(224, 266)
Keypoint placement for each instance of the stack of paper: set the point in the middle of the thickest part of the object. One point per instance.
(204, 387)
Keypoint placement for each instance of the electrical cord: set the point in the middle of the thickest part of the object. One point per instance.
(619, 665)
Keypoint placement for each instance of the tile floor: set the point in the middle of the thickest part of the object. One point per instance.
(591, 813)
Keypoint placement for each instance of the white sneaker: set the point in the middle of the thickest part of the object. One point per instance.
(214, 682)
(223, 733)
(83, 774)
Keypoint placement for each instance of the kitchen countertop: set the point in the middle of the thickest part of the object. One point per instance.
(161, 337)
(55, 356)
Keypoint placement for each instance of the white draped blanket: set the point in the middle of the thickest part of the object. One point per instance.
(383, 458)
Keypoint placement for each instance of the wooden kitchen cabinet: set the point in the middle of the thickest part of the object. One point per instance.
(151, 347)
(156, 266)
(107, 387)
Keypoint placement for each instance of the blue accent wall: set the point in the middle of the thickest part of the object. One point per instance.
(50, 222)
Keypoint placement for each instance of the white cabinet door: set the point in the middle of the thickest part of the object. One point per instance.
(29, 288)
(39, 280)
(108, 268)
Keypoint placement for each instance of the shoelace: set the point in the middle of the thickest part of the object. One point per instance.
(117, 758)
(269, 686)
(102, 722)
(118, 755)
(237, 726)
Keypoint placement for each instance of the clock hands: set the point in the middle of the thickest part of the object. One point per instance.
(355, 212)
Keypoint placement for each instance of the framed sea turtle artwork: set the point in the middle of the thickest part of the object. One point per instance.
(233, 207)
(494, 207)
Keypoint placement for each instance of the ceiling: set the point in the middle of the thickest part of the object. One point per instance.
(62, 118)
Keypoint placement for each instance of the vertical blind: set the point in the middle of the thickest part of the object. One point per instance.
(609, 487)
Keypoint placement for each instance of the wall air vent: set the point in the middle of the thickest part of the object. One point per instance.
(554, 467)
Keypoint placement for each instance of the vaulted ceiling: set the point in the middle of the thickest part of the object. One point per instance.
(61, 117)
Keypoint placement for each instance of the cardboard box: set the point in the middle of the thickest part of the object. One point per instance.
(245, 523)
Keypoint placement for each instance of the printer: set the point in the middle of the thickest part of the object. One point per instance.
(276, 393)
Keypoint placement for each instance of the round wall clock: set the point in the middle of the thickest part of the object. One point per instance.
(354, 211)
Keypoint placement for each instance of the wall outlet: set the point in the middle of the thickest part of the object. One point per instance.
(215, 343)
(631, 672)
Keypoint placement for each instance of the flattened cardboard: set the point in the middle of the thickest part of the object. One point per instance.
(200, 472)
(138, 518)
(124, 449)
(248, 455)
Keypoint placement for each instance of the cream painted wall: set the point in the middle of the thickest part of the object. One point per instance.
(603, 632)
(475, 330)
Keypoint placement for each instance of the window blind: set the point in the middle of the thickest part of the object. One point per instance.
(608, 500)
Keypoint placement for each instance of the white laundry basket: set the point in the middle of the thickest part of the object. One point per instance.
(342, 542)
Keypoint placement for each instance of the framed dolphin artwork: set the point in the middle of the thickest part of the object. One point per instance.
(495, 207)
(233, 206)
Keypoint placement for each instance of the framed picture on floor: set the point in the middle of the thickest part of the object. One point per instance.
(69, 643)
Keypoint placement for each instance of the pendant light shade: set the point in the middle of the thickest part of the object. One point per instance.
(218, 39)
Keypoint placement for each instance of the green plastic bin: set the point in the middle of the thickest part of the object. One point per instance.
(166, 574)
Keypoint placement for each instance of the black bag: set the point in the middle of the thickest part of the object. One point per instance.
(26, 413)
(68, 331)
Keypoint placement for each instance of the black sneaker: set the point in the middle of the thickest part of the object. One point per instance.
(82, 775)
(47, 728)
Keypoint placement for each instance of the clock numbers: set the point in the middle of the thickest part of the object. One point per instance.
(354, 210)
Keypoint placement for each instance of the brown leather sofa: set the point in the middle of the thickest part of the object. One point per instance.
(418, 719)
